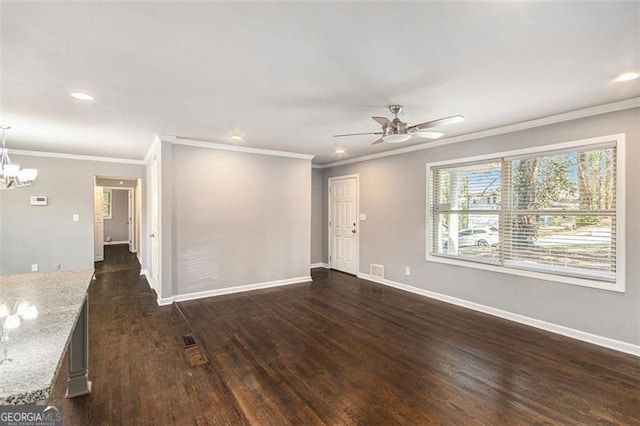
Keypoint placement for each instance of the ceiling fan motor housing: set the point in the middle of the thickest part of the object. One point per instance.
(400, 127)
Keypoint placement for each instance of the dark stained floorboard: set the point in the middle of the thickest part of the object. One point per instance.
(339, 350)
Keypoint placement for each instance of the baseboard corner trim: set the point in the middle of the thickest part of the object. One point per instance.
(320, 265)
(111, 243)
(239, 289)
(573, 333)
(165, 301)
(144, 272)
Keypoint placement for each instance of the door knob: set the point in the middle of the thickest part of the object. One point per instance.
(152, 235)
(353, 230)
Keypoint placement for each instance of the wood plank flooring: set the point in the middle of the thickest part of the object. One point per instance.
(338, 350)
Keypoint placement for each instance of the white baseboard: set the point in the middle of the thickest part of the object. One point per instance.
(144, 272)
(543, 325)
(320, 265)
(165, 302)
(110, 243)
(230, 290)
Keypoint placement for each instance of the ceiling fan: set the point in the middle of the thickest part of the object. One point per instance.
(396, 131)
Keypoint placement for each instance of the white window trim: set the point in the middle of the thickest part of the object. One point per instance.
(620, 283)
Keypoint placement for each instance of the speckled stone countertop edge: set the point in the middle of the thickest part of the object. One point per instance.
(30, 397)
(41, 394)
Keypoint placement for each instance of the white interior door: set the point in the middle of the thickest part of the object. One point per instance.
(130, 221)
(343, 224)
(98, 225)
(154, 235)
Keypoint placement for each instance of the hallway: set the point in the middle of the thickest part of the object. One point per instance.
(137, 366)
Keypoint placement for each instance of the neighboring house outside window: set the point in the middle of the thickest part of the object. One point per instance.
(552, 212)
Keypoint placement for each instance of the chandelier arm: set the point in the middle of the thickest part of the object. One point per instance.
(11, 175)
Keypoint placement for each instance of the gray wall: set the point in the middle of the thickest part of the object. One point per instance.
(317, 196)
(393, 195)
(47, 235)
(117, 228)
(237, 218)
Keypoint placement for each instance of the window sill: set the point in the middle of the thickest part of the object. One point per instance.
(618, 286)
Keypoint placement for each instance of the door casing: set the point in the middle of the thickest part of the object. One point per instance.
(98, 224)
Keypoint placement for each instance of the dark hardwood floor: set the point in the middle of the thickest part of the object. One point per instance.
(339, 350)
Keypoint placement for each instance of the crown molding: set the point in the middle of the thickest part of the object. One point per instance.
(167, 138)
(76, 157)
(544, 121)
(235, 148)
(538, 122)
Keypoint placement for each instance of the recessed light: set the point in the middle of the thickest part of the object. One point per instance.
(340, 151)
(81, 96)
(626, 76)
(237, 138)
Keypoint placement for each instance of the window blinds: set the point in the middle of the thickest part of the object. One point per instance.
(552, 212)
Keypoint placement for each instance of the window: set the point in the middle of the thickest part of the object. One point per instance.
(466, 219)
(106, 204)
(552, 212)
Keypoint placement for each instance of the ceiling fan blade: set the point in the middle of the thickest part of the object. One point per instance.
(383, 121)
(377, 142)
(438, 122)
(357, 134)
(428, 134)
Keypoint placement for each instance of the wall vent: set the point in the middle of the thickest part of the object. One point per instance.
(376, 270)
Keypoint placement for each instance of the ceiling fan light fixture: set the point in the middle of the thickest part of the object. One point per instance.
(396, 138)
(428, 135)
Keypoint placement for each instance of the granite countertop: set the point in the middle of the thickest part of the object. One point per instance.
(31, 354)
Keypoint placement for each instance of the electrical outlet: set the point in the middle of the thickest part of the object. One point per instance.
(407, 271)
(76, 217)
(34, 267)
(58, 266)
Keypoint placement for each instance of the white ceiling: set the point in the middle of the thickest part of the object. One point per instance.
(290, 75)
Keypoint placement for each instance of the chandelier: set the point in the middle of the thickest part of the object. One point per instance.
(11, 176)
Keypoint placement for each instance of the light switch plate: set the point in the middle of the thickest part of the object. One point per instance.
(363, 216)
(76, 217)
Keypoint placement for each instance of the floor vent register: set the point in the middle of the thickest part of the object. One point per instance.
(195, 356)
